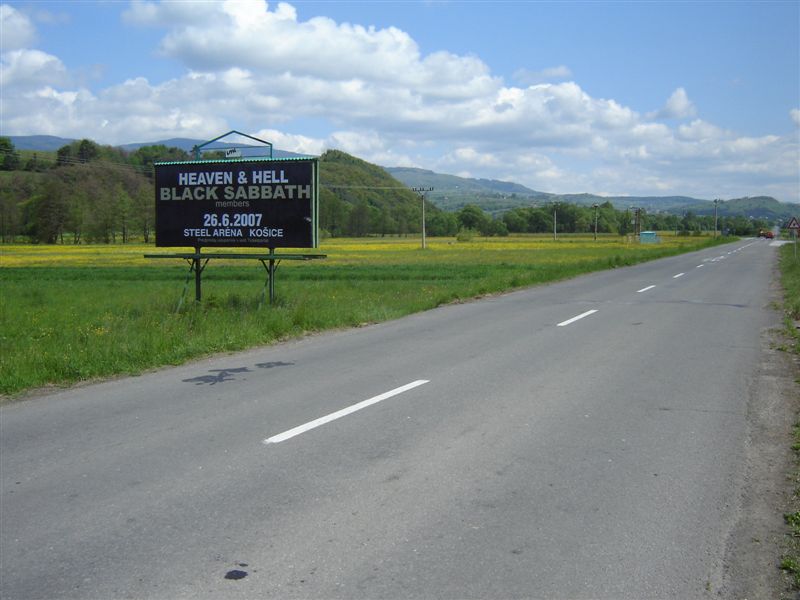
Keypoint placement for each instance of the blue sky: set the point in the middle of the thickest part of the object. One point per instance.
(637, 98)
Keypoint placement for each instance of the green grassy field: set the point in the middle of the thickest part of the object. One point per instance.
(75, 313)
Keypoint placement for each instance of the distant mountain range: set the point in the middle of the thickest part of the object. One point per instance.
(51, 143)
(450, 184)
(41, 143)
(452, 193)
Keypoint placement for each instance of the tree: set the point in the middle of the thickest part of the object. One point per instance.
(9, 157)
(123, 208)
(495, 227)
(9, 215)
(87, 151)
(516, 220)
(607, 221)
(34, 164)
(333, 213)
(102, 222)
(540, 220)
(472, 217)
(49, 212)
(15, 200)
(144, 211)
(689, 222)
(359, 220)
(384, 222)
(64, 156)
(441, 224)
(145, 156)
(79, 210)
(567, 216)
(625, 222)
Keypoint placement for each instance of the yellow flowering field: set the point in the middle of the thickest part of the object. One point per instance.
(382, 250)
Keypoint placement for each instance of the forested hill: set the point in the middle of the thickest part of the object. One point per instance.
(424, 178)
(758, 207)
(452, 193)
(357, 197)
(84, 192)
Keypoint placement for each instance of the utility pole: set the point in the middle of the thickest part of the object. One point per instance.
(595, 206)
(555, 234)
(716, 202)
(421, 191)
(637, 225)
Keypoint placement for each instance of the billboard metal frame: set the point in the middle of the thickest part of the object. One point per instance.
(242, 202)
(197, 150)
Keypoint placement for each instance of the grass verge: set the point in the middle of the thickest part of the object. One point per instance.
(790, 279)
(75, 313)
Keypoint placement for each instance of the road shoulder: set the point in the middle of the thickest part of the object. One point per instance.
(757, 540)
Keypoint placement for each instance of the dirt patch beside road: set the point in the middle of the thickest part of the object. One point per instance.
(758, 539)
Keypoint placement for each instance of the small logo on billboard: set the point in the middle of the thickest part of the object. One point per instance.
(233, 153)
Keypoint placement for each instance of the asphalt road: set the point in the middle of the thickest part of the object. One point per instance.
(521, 453)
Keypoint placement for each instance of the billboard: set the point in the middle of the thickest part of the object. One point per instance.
(250, 202)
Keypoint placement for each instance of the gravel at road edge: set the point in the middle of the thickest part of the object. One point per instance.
(757, 541)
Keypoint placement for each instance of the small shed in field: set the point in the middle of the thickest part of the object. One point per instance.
(649, 237)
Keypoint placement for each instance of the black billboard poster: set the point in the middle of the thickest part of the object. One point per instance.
(252, 203)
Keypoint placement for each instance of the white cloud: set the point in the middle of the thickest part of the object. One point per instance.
(301, 144)
(678, 106)
(26, 69)
(699, 130)
(370, 146)
(546, 115)
(470, 156)
(155, 14)
(16, 29)
(795, 115)
(372, 92)
(221, 35)
(528, 77)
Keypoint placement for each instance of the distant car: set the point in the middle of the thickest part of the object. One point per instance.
(766, 234)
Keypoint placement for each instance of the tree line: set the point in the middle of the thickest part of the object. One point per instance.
(573, 218)
(90, 193)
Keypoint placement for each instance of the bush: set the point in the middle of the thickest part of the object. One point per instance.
(466, 235)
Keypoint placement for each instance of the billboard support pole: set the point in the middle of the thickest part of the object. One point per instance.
(269, 261)
(197, 270)
(270, 265)
(272, 277)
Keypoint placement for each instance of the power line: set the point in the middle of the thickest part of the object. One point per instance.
(364, 187)
(71, 160)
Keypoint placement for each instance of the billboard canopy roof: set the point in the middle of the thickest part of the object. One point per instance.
(199, 148)
(229, 161)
